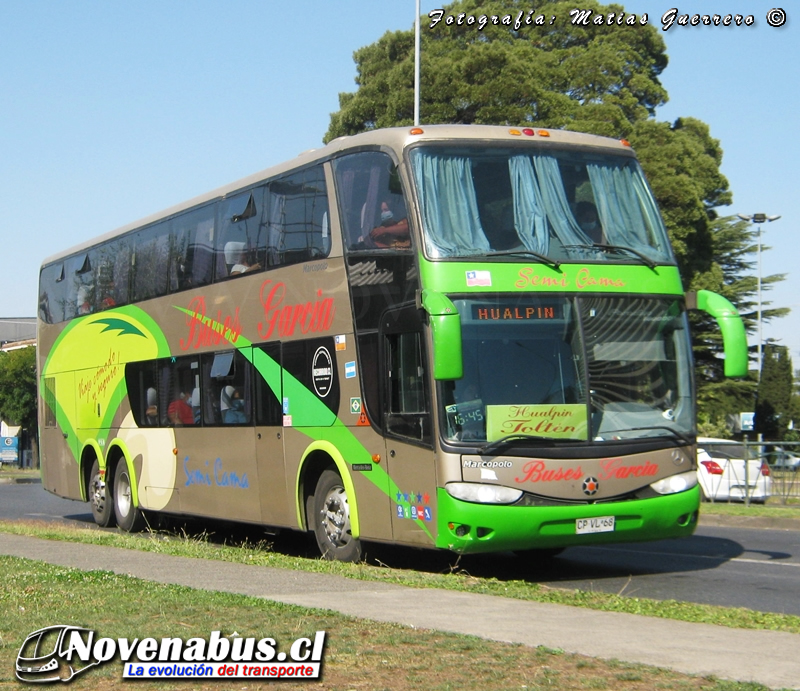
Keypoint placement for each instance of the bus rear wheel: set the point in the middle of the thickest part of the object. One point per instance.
(129, 517)
(100, 497)
(332, 520)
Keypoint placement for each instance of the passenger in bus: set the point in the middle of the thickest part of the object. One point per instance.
(231, 406)
(151, 412)
(236, 259)
(390, 234)
(83, 301)
(194, 401)
(180, 412)
(586, 215)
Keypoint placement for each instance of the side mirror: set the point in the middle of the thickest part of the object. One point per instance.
(734, 337)
(445, 321)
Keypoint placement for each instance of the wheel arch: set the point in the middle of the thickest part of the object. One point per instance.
(90, 453)
(117, 453)
(317, 458)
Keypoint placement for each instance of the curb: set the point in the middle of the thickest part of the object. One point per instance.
(755, 522)
(20, 480)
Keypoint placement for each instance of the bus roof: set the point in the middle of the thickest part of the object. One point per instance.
(397, 138)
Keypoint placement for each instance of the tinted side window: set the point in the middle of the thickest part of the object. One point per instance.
(142, 382)
(408, 400)
(192, 249)
(150, 262)
(269, 395)
(227, 389)
(52, 293)
(297, 225)
(371, 202)
(241, 234)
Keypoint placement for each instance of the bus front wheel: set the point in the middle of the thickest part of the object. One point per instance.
(332, 520)
(100, 497)
(129, 517)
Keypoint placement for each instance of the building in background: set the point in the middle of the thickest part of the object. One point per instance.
(15, 332)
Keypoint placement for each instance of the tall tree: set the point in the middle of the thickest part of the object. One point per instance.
(774, 392)
(18, 391)
(596, 78)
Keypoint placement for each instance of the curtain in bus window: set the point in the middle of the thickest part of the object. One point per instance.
(555, 202)
(530, 221)
(624, 206)
(449, 206)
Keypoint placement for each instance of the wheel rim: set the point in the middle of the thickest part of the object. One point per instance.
(98, 494)
(123, 496)
(335, 517)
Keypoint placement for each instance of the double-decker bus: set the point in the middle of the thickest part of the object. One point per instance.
(472, 338)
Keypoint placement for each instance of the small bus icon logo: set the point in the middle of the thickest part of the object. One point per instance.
(42, 657)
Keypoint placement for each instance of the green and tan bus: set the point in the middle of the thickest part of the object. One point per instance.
(465, 337)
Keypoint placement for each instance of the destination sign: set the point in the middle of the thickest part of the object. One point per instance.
(517, 312)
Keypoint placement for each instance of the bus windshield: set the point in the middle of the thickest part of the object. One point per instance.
(590, 369)
(564, 204)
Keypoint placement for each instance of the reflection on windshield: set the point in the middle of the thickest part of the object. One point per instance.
(567, 205)
(584, 369)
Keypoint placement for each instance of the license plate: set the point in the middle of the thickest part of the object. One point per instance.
(601, 524)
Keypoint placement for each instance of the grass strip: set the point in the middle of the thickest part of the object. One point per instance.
(456, 578)
(359, 654)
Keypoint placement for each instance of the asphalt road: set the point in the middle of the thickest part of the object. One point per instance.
(730, 566)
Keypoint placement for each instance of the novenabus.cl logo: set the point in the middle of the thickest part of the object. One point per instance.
(46, 655)
(58, 653)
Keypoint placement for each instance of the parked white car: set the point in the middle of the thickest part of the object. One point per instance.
(784, 460)
(723, 476)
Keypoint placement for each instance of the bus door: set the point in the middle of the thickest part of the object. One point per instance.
(59, 447)
(408, 427)
(272, 484)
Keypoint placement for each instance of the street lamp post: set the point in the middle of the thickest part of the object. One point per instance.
(758, 219)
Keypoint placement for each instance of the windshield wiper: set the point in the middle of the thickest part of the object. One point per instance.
(617, 248)
(524, 253)
(493, 446)
(675, 433)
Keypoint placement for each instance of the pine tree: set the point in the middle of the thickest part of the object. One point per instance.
(774, 392)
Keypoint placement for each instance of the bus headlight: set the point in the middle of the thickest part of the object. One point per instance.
(675, 483)
(483, 494)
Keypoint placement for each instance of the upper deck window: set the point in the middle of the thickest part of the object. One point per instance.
(567, 204)
(371, 202)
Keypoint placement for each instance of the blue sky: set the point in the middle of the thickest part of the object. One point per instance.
(113, 111)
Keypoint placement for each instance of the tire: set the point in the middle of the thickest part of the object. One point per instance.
(129, 517)
(100, 497)
(331, 520)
